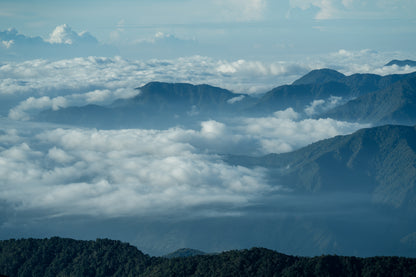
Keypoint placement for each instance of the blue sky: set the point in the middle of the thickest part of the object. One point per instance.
(254, 29)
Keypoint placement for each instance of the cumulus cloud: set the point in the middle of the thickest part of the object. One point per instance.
(242, 10)
(63, 42)
(323, 105)
(20, 112)
(367, 61)
(63, 34)
(127, 172)
(147, 172)
(95, 80)
(284, 132)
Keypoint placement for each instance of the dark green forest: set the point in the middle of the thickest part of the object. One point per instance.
(104, 257)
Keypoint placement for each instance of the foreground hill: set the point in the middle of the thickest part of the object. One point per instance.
(103, 257)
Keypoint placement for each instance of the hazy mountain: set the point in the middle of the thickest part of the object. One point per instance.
(322, 84)
(319, 76)
(180, 98)
(168, 104)
(158, 104)
(394, 104)
(401, 63)
(376, 161)
(298, 96)
(360, 189)
(103, 257)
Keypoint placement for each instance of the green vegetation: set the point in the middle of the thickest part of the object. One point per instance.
(103, 257)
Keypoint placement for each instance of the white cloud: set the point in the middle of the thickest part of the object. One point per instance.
(142, 172)
(212, 129)
(63, 42)
(96, 80)
(322, 105)
(283, 132)
(62, 34)
(126, 172)
(241, 10)
(7, 43)
(333, 9)
(82, 81)
(327, 8)
(236, 99)
(20, 112)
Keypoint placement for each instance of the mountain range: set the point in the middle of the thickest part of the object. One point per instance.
(360, 97)
(394, 104)
(352, 194)
(401, 63)
(158, 104)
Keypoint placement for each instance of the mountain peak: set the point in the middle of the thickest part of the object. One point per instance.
(184, 252)
(401, 63)
(319, 76)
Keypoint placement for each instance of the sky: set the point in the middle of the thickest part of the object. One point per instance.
(229, 29)
(57, 54)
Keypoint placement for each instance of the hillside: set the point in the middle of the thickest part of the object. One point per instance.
(395, 104)
(321, 84)
(103, 257)
(379, 161)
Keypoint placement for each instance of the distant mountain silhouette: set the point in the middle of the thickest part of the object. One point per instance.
(401, 63)
(394, 104)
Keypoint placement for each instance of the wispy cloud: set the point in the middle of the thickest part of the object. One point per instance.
(369, 9)
(242, 10)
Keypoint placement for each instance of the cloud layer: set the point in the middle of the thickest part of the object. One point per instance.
(115, 173)
(26, 87)
(147, 172)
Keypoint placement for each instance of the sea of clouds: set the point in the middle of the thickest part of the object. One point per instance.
(64, 170)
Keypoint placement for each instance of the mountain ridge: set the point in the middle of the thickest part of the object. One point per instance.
(394, 104)
(170, 104)
(401, 63)
(103, 257)
(383, 158)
